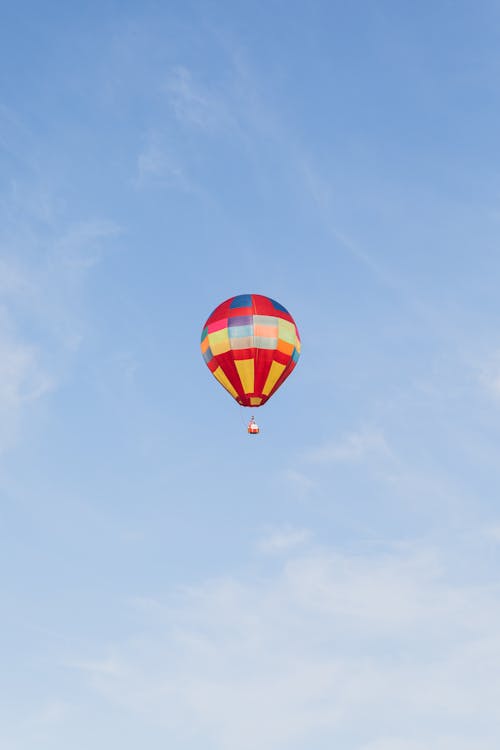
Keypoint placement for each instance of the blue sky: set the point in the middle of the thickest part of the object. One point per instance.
(167, 581)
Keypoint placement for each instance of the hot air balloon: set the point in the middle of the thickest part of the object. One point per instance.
(251, 344)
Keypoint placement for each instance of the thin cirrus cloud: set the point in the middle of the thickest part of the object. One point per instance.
(451, 742)
(283, 540)
(196, 105)
(157, 166)
(49, 287)
(353, 447)
(363, 446)
(22, 378)
(376, 650)
(489, 377)
(42, 277)
(237, 105)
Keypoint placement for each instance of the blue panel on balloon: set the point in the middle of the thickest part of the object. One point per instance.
(277, 306)
(242, 300)
(237, 332)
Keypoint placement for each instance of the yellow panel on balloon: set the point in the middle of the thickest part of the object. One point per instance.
(219, 342)
(246, 372)
(274, 374)
(255, 401)
(286, 331)
(223, 380)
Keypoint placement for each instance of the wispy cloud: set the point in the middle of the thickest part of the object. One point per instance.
(195, 104)
(373, 650)
(489, 377)
(237, 104)
(52, 712)
(301, 483)
(282, 541)
(103, 667)
(492, 532)
(320, 191)
(157, 165)
(450, 742)
(44, 263)
(354, 447)
(80, 247)
(21, 375)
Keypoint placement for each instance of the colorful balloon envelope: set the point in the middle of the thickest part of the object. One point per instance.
(251, 344)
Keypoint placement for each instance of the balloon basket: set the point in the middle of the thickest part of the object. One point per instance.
(253, 428)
